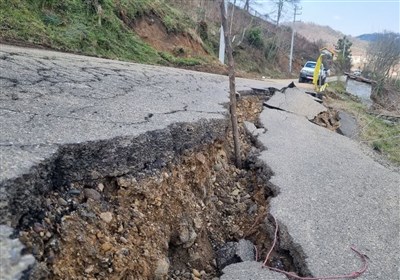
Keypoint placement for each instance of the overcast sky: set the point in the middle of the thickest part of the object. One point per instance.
(351, 17)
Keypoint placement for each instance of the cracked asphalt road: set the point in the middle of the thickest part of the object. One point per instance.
(332, 195)
(49, 99)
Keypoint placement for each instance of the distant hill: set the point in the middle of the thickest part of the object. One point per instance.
(371, 37)
(328, 37)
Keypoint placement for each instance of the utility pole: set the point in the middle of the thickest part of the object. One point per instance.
(222, 40)
(292, 42)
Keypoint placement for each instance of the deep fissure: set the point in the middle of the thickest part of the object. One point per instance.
(178, 211)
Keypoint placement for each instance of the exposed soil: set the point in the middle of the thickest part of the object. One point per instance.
(168, 225)
(328, 119)
(152, 31)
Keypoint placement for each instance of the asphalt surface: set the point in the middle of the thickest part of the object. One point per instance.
(332, 196)
(49, 99)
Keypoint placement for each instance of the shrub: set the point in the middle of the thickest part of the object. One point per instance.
(271, 50)
(254, 38)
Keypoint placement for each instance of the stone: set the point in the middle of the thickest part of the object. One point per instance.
(196, 273)
(100, 187)
(218, 167)
(126, 182)
(192, 239)
(106, 216)
(162, 267)
(107, 246)
(197, 223)
(226, 255)
(235, 192)
(62, 202)
(92, 194)
(200, 157)
(89, 269)
(123, 240)
(37, 227)
(242, 207)
(249, 126)
(12, 263)
(252, 209)
(245, 250)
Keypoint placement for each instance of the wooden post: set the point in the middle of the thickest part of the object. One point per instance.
(232, 89)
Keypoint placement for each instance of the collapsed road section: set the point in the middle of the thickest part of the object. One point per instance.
(113, 170)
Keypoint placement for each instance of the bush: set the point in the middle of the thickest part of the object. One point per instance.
(254, 38)
(50, 18)
(203, 30)
(271, 51)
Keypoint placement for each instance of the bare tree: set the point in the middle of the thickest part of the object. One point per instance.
(383, 55)
(247, 5)
(232, 88)
(280, 4)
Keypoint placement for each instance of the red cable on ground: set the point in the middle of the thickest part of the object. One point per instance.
(352, 275)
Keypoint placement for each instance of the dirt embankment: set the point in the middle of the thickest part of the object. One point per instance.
(152, 30)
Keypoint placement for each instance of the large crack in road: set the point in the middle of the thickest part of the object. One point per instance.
(73, 134)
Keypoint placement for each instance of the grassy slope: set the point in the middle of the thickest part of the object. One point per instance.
(373, 131)
(73, 25)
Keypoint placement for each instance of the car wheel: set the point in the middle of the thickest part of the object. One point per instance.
(301, 80)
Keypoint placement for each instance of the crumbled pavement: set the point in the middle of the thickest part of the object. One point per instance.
(11, 260)
(295, 101)
(332, 196)
(250, 270)
(67, 119)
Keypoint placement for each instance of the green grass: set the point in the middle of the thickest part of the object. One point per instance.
(374, 131)
(77, 26)
(179, 61)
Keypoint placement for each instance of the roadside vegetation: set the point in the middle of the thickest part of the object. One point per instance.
(187, 34)
(380, 134)
(91, 27)
(383, 66)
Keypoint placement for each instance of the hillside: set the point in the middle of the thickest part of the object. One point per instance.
(370, 37)
(328, 37)
(88, 27)
(259, 46)
(167, 32)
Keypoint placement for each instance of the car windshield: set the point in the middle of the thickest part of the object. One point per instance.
(310, 64)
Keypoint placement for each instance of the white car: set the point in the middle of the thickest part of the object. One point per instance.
(307, 73)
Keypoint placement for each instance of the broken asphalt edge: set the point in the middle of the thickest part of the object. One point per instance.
(90, 162)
